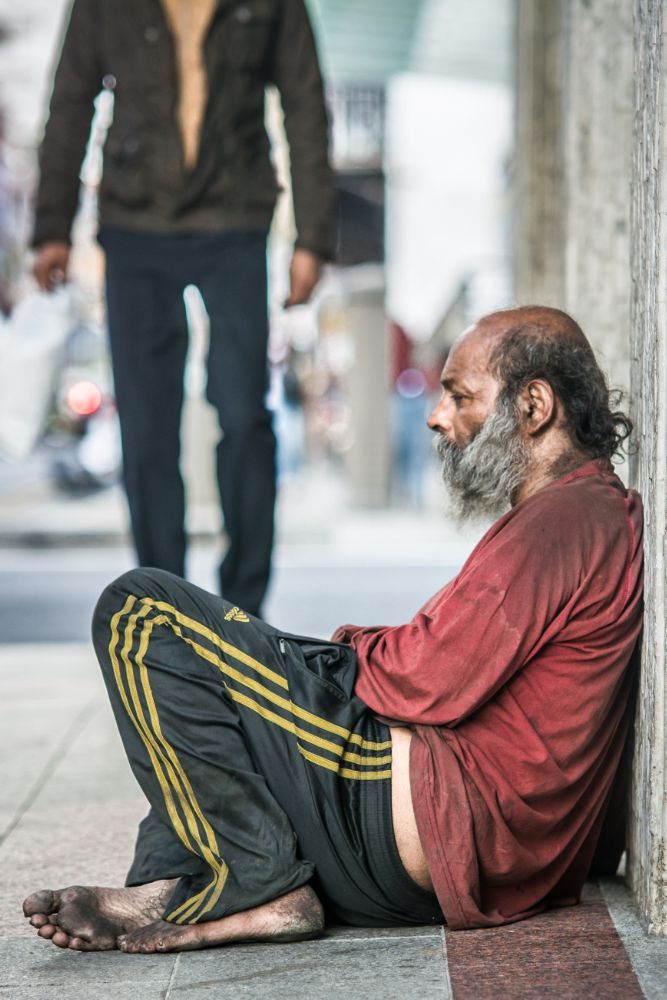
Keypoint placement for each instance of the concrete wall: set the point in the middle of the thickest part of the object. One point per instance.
(598, 139)
(574, 129)
(648, 855)
(539, 177)
(591, 225)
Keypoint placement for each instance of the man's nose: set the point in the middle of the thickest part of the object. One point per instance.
(439, 420)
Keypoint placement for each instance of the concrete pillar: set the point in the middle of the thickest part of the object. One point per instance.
(368, 460)
(574, 129)
(591, 237)
(648, 854)
(539, 220)
(352, 309)
(598, 103)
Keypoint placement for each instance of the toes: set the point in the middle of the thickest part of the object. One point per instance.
(127, 945)
(156, 937)
(40, 919)
(79, 944)
(43, 901)
(82, 942)
(61, 939)
(47, 931)
(135, 946)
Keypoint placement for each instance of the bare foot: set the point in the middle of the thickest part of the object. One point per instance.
(296, 916)
(91, 919)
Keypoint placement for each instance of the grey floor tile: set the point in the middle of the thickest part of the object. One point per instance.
(330, 969)
(43, 696)
(647, 953)
(98, 991)
(33, 968)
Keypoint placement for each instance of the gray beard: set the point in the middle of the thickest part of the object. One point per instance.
(482, 478)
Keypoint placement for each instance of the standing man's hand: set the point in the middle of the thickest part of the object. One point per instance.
(304, 273)
(50, 265)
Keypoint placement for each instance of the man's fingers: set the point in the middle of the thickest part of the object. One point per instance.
(50, 265)
(304, 275)
(41, 277)
(299, 294)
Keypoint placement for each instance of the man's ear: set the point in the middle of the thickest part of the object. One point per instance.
(537, 406)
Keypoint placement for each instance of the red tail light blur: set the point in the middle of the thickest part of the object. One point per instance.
(83, 399)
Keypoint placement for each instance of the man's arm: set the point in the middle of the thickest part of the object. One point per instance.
(473, 637)
(295, 71)
(78, 80)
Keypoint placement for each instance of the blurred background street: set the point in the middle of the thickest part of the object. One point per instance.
(333, 563)
(422, 249)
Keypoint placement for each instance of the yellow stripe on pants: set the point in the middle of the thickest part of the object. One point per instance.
(152, 739)
(275, 699)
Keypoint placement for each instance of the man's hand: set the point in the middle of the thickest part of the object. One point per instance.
(50, 265)
(304, 273)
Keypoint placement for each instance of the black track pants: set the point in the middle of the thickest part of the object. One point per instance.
(263, 770)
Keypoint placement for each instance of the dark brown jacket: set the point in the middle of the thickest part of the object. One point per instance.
(126, 44)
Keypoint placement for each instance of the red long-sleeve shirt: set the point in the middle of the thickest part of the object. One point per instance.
(515, 679)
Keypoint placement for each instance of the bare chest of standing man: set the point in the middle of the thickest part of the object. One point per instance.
(189, 21)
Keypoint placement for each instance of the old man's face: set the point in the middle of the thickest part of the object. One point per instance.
(484, 455)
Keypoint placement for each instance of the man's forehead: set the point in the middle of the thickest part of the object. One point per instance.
(469, 357)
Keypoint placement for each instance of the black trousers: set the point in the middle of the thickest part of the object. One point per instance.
(263, 770)
(146, 274)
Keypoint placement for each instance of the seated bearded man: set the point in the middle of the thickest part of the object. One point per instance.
(455, 768)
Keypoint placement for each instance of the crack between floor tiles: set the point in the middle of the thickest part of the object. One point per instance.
(448, 983)
(81, 720)
(172, 978)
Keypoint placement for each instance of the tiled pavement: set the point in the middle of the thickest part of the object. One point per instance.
(68, 808)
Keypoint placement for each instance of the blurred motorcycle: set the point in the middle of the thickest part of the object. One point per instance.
(83, 431)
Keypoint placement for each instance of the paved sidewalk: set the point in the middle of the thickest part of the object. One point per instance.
(68, 810)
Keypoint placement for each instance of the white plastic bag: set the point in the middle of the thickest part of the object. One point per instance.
(32, 342)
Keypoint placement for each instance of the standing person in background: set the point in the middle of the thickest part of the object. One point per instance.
(186, 197)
